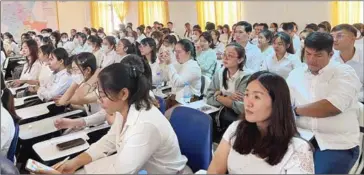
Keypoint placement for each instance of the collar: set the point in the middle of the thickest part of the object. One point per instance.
(285, 56)
(133, 115)
(235, 76)
(60, 73)
(324, 69)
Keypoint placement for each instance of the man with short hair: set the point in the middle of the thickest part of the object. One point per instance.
(289, 29)
(324, 93)
(344, 43)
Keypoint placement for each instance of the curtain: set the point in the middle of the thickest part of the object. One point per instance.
(219, 12)
(349, 12)
(120, 8)
(100, 15)
(150, 11)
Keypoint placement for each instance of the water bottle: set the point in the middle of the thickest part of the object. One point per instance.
(159, 83)
(187, 94)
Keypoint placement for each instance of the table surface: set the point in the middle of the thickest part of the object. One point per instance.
(42, 127)
(20, 101)
(34, 111)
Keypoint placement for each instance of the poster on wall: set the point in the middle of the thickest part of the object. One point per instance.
(18, 17)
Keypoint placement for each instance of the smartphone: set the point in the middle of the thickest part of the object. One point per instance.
(33, 166)
(70, 144)
(205, 108)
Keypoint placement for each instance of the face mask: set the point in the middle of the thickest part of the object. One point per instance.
(280, 30)
(194, 37)
(46, 34)
(271, 29)
(77, 78)
(64, 40)
(101, 35)
(93, 34)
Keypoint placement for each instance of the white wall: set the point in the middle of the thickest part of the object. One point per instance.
(73, 15)
(76, 14)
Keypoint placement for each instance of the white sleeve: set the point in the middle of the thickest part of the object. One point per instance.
(347, 86)
(229, 133)
(95, 119)
(178, 80)
(138, 149)
(301, 162)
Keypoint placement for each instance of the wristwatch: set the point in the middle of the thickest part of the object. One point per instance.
(295, 112)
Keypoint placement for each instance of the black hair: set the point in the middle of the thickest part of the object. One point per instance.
(159, 36)
(88, 31)
(196, 27)
(207, 36)
(275, 25)
(319, 41)
(40, 37)
(82, 35)
(327, 24)
(130, 74)
(93, 30)
(323, 26)
(247, 26)
(265, 26)
(170, 22)
(171, 39)
(33, 50)
(210, 26)
(268, 36)
(141, 29)
(148, 27)
(130, 47)
(255, 25)
(217, 33)
(288, 26)
(26, 36)
(84, 60)
(62, 34)
(111, 40)
(57, 37)
(272, 146)
(95, 40)
(151, 43)
(32, 32)
(286, 40)
(61, 54)
(346, 27)
(46, 49)
(241, 55)
(47, 40)
(188, 46)
(312, 27)
(10, 36)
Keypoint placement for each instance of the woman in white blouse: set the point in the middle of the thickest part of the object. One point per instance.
(60, 80)
(32, 66)
(228, 85)
(124, 48)
(140, 34)
(265, 140)
(95, 42)
(206, 56)
(148, 50)
(109, 55)
(11, 47)
(265, 43)
(284, 60)
(79, 44)
(64, 39)
(141, 136)
(219, 46)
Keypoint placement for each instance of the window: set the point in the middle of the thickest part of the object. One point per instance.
(108, 14)
(219, 12)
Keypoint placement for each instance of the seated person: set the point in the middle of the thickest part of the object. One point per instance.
(265, 140)
(60, 80)
(325, 93)
(205, 55)
(141, 136)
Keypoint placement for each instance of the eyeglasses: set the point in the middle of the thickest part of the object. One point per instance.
(224, 55)
(338, 36)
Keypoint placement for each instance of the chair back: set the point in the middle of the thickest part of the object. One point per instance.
(162, 104)
(194, 132)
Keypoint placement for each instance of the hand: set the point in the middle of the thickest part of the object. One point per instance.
(237, 96)
(33, 89)
(161, 58)
(217, 93)
(65, 123)
(69, 167)
(60, 102)
(17, 83)
(167, 58)
(198, 48)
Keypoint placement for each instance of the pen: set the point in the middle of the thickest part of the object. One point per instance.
(63, 162)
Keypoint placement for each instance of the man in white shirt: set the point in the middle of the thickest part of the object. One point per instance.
(325, 95)
(253, 54)
(289, 29)
(347, 53)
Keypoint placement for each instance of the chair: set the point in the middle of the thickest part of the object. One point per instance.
(13, 145)
(7, 167)
(359, 164)
(194, 132)
(162, 104)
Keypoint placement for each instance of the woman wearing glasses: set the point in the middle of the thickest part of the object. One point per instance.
(228, 85)
(141, 136)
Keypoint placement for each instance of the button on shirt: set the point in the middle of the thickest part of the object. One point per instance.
(357, 63)
(339, 84)
(281, 67)
(254, 57)
(57, 85)
(146, 141)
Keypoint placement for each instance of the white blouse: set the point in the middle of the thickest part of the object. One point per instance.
(7, 131)
(109, 58)
(281, 67)
(33, 73)
(147, 141)
(269, 52)
(44, 74)
(297, 160)
(99, 57)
